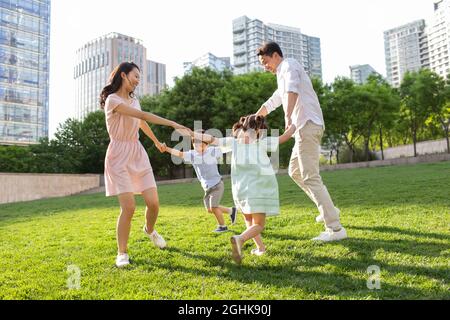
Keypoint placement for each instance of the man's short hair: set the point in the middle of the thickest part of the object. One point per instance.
(268, 49)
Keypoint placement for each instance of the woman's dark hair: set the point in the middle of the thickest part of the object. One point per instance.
(115, 81)
(268, 49)
(252, 122)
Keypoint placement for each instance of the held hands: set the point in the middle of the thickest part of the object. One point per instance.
(161, 146)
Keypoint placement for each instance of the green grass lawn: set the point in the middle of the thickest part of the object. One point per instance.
(397, 218)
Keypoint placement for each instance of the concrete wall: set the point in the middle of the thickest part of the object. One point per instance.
(392, 162)
(423, 148)
(17, 187)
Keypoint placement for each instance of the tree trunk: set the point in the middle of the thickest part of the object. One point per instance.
(351, 154)
(366, 143)
(331, 156)
(366, 149)
(448, 142)
(414, 142)
(381, 143)
(337, 155)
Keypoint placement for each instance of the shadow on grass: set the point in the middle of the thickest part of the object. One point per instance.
(336, 282)
(312, 282)
(367, 248)
(398, 231)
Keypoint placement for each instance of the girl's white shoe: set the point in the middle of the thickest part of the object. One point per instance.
(257, 252)
(122, 260)
(156, 238)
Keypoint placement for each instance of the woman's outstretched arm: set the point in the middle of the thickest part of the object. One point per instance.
(147, 116)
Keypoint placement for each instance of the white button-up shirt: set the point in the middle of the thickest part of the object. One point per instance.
(291, 77)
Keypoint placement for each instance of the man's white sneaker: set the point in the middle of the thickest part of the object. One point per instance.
(329, 235)
(156, 238)
(122, 260)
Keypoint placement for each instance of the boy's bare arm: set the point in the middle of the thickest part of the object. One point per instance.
(174, 152)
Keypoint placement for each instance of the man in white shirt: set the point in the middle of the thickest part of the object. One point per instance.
(302, 108)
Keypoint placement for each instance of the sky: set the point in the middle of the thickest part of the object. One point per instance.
(175, 31)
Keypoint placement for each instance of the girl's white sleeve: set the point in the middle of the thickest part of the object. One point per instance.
(188, 157)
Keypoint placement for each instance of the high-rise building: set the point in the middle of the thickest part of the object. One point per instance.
(406, 49)
(209, 60)
(156, 77)
(439, 38)
(360, 73)
(24, 71)
(98, 58)
(250, 34)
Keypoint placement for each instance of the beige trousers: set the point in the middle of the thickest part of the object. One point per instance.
(304, 170)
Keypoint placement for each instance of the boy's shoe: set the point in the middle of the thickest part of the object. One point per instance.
(236, 247)
(329, 235)
(233, 215)
(156, 238)
(221, 229)
(122, 260)
(257, 252)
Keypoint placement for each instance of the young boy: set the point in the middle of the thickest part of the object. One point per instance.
(204, 160)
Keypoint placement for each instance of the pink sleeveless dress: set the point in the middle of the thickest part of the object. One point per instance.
(127, 166)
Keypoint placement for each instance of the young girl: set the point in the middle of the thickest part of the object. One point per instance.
(204, 160)
(254, 184)
(127, 166)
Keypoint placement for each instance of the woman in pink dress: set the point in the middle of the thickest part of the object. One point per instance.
(127, 166)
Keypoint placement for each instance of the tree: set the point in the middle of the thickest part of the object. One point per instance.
(419, 93)
(243, 95)
(343, 113)
(14, 159)
(94, 141)
(440, 108)
(381, 110)
(332, 138)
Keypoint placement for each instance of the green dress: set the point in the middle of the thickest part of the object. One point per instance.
(254, 184)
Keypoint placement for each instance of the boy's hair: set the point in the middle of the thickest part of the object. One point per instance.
(202, 132)
(252, 122)
(268, 49)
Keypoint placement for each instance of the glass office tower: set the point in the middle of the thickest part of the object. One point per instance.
(24, 70)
